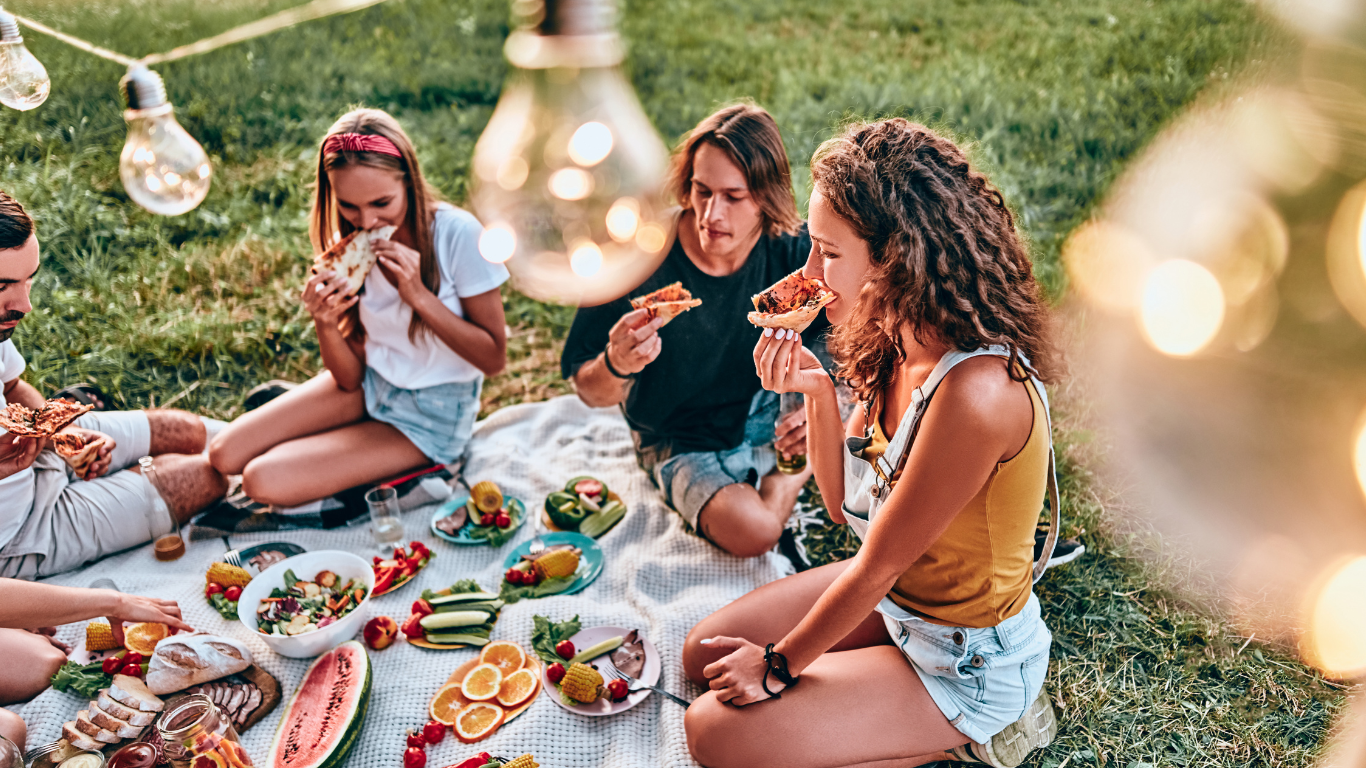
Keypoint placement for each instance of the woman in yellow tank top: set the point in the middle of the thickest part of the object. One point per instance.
(927, 644)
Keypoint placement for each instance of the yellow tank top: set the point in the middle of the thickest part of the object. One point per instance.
(978, 574)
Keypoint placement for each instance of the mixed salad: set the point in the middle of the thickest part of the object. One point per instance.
(305, 606)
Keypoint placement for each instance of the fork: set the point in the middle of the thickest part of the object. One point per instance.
(635, 685)
(231, 557)
(537, 546)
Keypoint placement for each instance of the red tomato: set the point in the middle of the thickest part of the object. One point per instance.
(502, 520)
(131, 669)
(133, 657)
(588, 487)
(617, 690)
(415, 740)
(111, 665)
(232, 593)
(564, 649)
(413, 628)
(213, 589)
(433, 732)
(513, 576)
(422, 607)
(555, 672)
(414, 758)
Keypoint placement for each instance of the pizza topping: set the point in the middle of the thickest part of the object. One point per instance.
(668, 302)
(792, 302)
(19, 419)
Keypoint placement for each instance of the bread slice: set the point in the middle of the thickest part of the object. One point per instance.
(108, 722)
(84, 725)
(132, 693)
(118, 711)
(79, 740)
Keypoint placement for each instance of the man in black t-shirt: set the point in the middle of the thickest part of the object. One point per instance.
(703, 426)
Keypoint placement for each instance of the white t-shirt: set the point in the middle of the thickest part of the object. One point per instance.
(385, 316)
(16, 491)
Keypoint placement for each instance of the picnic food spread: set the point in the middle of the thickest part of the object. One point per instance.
(487, 692)
(584, 506)
(666, 303)
(353, 257)
(792, 303)
(223, 587)
(306, 606)
(486, 516)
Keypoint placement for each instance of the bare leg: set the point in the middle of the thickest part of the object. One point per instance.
(322, 464)
(188, 484)
(746, 522)
(30, 662)
(12, 727)
(315, 406)
(176, 432)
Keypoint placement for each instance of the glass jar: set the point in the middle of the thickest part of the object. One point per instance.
(49, 755)
(10, 754)
(196, 725)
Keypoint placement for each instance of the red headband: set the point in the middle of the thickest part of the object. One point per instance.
(359, 142)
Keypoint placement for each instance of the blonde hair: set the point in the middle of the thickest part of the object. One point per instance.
(327, 225)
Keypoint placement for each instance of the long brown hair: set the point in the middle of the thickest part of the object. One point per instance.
(326, 224)
(750, 138)
(946, 259)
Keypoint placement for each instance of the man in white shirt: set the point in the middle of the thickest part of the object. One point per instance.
(50, 519)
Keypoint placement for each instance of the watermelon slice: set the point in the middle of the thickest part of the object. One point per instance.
(324, 719)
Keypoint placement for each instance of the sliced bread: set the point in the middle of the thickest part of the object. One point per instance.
(132, 693)
(79, 740)
(110, 723)
(129, 715)
(95, 732)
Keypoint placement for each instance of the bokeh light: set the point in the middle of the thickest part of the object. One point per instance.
(498, 243)
(586, 259)
(1336, 638)
(590, 144)
(1107, 264)
(1182, 307)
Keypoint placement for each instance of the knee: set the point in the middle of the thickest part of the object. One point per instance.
(706, 723)
(177, 431)
(264, 483)
(695, 655)
(754, 536)
(223, 456)
(12, 727)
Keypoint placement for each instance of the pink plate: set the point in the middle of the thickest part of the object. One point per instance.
(588, 638)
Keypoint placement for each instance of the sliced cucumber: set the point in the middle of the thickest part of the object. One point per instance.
(597, 523)
(456, 638)
(490, 607)
(597, 650)
(454, 619)
(463, 597)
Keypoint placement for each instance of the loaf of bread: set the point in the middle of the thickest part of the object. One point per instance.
(181, 661)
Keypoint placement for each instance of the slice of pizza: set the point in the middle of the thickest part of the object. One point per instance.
(18, 419)
(352, 256)
(667, 302)
(792, 302)
(68, 444)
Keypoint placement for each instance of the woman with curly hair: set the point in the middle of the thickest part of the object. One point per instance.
(927, 644)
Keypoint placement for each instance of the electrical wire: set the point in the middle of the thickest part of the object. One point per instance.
(76, 42)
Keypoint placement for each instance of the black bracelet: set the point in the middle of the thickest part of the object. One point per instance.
(777, 666)
(607, 360)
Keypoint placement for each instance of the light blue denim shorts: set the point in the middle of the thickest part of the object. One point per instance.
(981, 679)
(689, 480)
(438, 420)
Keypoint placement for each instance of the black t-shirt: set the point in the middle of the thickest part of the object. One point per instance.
(696, 395)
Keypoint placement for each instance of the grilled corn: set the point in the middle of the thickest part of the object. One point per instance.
(226, 575)
(561, 562)
(99, 637)
(581, 683)
(525, 761)
(487, 497)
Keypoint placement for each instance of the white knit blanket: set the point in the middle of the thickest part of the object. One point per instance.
(657, 577)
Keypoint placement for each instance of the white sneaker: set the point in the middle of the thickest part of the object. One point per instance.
(1011, 746)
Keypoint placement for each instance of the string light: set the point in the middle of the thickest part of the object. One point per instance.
(163, 168)
(24, 83)
(569, 166)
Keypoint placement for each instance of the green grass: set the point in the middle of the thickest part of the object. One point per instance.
(1055, 96)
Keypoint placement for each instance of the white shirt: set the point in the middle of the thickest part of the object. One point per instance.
(16, 491)
(385, 316)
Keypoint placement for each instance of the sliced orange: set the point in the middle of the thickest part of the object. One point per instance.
(517, 688)
(478, 720)
(446, 704)
(506, 655)
(482, 683)
(143, 638)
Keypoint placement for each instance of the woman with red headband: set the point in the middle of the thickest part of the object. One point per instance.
(405, 358)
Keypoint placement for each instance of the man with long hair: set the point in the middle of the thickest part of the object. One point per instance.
(703, 427)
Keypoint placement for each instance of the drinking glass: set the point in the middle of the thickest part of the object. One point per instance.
(385, 524)
(788, 403)
(169, 545)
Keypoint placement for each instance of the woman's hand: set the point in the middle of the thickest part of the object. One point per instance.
(789, 437)
(784, 365)
(136, 608)
(738, 678)
(325, 298)
(402, 267)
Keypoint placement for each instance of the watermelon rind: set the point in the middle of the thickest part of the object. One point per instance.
(350, 733)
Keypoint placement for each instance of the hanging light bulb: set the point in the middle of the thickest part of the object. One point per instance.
(568, 174)
(163, 168)
(24, 83)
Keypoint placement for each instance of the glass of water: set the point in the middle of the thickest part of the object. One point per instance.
(789, 403)
(385, 524)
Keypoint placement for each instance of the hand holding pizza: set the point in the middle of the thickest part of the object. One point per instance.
(93, 459)
(634, 343)
(17, 453)
(325, 298)
(784, 365)
(402, 267)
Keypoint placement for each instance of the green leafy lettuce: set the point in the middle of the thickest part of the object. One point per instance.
(545, 635)
(81, 680)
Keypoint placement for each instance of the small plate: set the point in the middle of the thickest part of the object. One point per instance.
(516, 510)
(587, 638)
(590, 562)
(256, 550)
(401, 584)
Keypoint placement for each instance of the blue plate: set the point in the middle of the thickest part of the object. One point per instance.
(590, 563)
(516, 510)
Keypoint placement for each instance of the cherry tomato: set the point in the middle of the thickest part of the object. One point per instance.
(232, 593)
(433, 732)
(415, 740)
(502, 520)
(213, 589)
(412, 627)
(564, 649)
(414, 758)
(513, 576)
(378, 559)
(555, 672)
(111, 665)
(132, 670)
(422, 607)
(617, 690)
(133, 657)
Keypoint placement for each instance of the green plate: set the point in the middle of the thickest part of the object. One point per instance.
(516, 510)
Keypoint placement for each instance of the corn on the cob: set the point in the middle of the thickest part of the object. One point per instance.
(525, 761)
(581, 683)
(99, 637)
(487, 497)
(226, 575)
(561, 562)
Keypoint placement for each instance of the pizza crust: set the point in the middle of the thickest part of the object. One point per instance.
(667, 303)
(353, 257)
(792, 303)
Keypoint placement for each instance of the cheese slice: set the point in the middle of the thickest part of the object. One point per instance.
(353, 257)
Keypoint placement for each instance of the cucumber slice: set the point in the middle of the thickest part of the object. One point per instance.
(454, 619)
(463, 597)
(597, 523)
(454, 638)
(597, 650)
(490, 608)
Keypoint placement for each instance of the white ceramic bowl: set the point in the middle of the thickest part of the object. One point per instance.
(305, 567)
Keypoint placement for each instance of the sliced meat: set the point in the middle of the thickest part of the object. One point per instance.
(236, 699)
(252, 704)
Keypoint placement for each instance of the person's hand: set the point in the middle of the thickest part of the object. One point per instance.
(51, 634)
(136, 608)
(95, 457)
(634, 343)
(784, 365)
(789, 435)
(738, 678)
(17, 453)
(402, 267)
(325, 298)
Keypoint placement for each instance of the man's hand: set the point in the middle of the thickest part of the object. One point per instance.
(95, 457)
(17, 453)
(633, 343)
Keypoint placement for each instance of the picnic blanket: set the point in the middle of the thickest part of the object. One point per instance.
(657, 577)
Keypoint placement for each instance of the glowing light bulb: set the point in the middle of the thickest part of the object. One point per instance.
(24, 83)
(569, 160)
(162, 167)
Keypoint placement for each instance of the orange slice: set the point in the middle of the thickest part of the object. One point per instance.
(517, 688)
(506, 655)
(143, 638)
(482, 683)
(477, 721)
(446, 704)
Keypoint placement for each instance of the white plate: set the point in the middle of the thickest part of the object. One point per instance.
(587, 638)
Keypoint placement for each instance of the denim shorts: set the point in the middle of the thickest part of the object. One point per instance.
(689, 480)
(981, 679)
(438, 420)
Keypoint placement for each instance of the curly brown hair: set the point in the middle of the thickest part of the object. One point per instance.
(946, 259)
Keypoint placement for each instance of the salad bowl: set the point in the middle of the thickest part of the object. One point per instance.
(315, 642)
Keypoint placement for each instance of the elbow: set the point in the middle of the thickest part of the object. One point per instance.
(495, 367)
